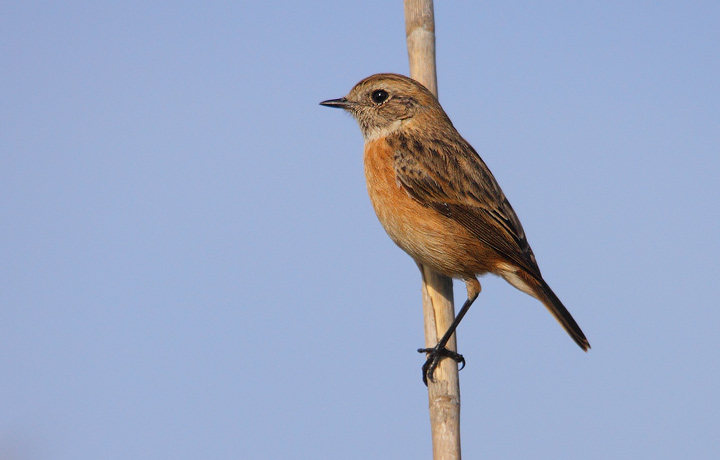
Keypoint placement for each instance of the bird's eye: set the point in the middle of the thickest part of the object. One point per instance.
(379, 96)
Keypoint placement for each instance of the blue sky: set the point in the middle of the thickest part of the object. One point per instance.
(190, 266)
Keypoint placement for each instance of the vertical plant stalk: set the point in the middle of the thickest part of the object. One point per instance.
(438, 308)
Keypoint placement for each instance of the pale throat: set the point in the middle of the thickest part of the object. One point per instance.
(376, 132)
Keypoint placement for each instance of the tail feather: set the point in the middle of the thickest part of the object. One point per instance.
(562, 315)
(538, 288)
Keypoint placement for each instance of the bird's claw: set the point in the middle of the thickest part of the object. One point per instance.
(435, 355)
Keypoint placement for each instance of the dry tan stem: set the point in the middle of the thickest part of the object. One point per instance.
(438, 309)
(444, 391)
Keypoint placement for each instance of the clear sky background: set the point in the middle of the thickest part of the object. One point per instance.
(190, 266)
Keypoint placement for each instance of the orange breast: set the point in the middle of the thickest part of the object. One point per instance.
(426, 235)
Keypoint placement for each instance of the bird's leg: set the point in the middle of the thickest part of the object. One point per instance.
(439, 351)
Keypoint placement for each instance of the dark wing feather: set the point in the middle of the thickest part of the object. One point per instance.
(451, 178)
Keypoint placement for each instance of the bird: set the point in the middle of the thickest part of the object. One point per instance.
(438, 201)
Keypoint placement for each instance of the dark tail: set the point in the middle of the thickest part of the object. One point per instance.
(562, 315)
(538, 288)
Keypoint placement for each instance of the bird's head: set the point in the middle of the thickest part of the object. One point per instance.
(382, 103)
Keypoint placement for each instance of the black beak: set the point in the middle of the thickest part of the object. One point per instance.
(341, 103)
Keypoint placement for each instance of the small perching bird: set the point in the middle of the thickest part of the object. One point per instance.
(438, 201)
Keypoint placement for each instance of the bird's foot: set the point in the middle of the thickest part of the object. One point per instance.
(434, 355)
